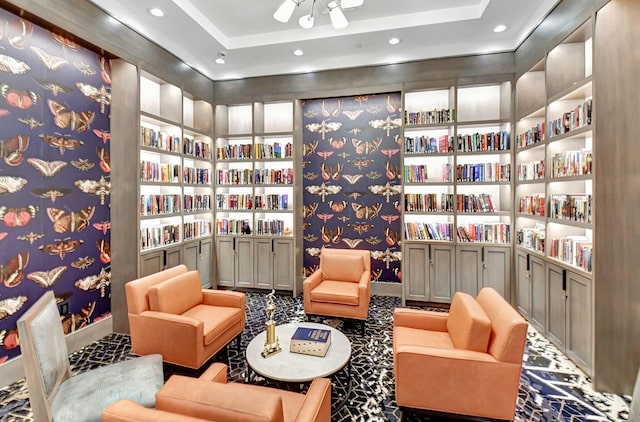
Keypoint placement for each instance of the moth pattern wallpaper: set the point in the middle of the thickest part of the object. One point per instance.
(54, 178)
(352, 179)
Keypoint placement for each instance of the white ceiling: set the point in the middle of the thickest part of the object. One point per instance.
(258, 45)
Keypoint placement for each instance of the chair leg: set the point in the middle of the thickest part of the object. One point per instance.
(239, 342)
(362, 327)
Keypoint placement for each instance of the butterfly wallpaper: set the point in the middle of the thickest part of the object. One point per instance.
(352, 179)
(54, 178)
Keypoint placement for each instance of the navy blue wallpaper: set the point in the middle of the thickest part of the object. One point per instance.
(352, 182)
(54, 177)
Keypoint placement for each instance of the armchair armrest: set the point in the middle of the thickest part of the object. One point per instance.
(225, 298)
(217, 372)
(317, 402)
(312, 281)
(418, 318)
(364, 285)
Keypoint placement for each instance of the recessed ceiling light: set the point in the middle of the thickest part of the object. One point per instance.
(500, 28)
(158, 13)
(220, 57)
(394, 41)
(298, 52)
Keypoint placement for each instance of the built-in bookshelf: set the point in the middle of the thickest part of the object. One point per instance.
(554, 215)
(254, 188)
(176, 174)
(457, 187)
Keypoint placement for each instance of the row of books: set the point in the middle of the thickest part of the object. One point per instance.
(532, 237)
(531, 136)
(159, 204)
(572, 163)
(274, 202)
(197, 202)
(435, 116)
(574, 207)
(574, 250)
(427, 231)
(267, 151)
(491, 141)
(235, 152)
(152, 237)
(235, 176)
(533, 170)
(232, 226)
(151, 138)
(273, 176)
(196, 176)
(196, 228)
(474, 203)
(428, 144)
(485, 232)
(196, 147)
(415, 173)
(159, 172)
(578, 117)
(428, 202)
(533, 204)
(483, 172)
(270, 228)
(234, 201)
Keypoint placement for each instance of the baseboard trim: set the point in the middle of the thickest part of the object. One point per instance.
(13, 370)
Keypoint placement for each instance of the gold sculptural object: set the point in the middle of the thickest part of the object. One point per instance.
(271, 343)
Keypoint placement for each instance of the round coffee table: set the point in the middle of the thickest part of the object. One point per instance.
(296, 367)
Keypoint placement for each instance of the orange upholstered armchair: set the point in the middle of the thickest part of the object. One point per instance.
(341, 286)
(170, 314)
(211, 398)
(466, 361)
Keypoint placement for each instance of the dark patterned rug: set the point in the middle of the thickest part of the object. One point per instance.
(551, 387)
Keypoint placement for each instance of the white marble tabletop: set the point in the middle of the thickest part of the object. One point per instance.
(296, 367)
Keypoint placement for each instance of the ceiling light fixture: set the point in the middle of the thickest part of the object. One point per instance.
(394, 41)
(500, 28)
(334, 8)
(221, 55)
(158, 13)
(298, 52)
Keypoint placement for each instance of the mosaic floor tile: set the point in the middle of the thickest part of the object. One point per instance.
(552, 388)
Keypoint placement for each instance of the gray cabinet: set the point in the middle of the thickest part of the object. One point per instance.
(263, 263)
(579, 314)
(569, 303)
(523, 284)
(483, 266)
(158, 260)
(429, 272)
(531, 287)
(198, 255)
(283, 268)
(556, 305)
(235, 261)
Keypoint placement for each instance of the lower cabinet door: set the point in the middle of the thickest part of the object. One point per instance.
(537, 268)
(244, 262)
(468, 269)
(523, 284)
(263, 263)
(226, 261)
(283, 268)
(496, 269)
(556, 305)
(442, 274)
(415, 273)
(579, 311)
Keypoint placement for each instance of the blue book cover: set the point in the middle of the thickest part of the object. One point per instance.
(310, 341)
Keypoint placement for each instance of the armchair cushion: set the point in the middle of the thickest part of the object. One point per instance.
(331, 291)
(216, 319)
(341, 267)
(177, 294)
(468, 324)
